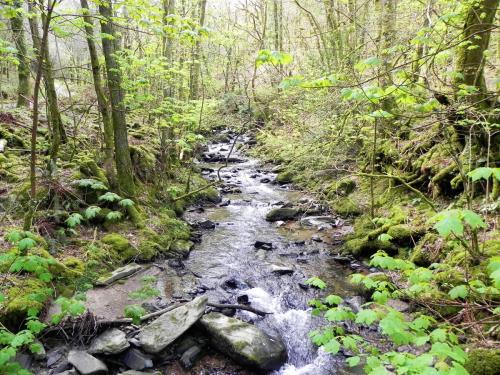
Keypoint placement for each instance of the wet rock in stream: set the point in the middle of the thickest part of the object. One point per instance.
(279, 214)
(157, 335)
(245, 343)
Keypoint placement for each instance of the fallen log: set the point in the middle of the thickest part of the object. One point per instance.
(238, 307)
(88, 322)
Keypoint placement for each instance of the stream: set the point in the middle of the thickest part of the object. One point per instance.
(241, 258)
(227, 255)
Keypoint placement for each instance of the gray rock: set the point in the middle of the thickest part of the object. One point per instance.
(318, 221)
(86, 364)
(355, 303)
(134, 372)
(42, 354)
(278, 214)
(111, 341)
(244, 342)
(278, 269)
(68, 372)
(190, 356)
(136, 360)
(398, 305)
(119, 273)
(157, 335)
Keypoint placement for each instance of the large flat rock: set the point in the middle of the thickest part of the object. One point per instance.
(86, 364)
(245, 343)
(157, 335)
(111, 341)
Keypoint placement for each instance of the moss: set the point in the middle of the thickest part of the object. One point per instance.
(120, 245)
(285, 177)
(209, 195)
(89, 168)
(342, 187)
(181, 248)
(346, 207)
(483, 361)
(427, 251)
(143, 162)
(148, 250)
(74, 264)
(365, 247)
(19, 293)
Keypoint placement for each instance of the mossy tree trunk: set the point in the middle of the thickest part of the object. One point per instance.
(168, 43)
(57, 129)
(470, 55)
(23, 69)
(102, 101)
(122, 152)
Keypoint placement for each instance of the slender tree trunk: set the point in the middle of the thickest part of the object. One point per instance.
(195, 76)
(102, 101)
(58, 133)
(34, 128)
(417, 65)
(168, 43)
(23, 69)
(122, 153)
(470, 56)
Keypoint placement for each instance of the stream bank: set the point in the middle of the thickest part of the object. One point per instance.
(257, 247)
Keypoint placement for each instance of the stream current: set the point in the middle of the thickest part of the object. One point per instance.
(226, 265)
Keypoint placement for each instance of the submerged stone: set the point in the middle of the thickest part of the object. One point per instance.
(243, 342)
(157, 335)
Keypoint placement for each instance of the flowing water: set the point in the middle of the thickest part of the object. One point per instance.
(228, 253)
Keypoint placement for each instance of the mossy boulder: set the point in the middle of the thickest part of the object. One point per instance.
(148, 250)
(278, 214)
(366, 247)
(342, 187)
(74, 264)
(285, 177)
(181, 248)
(210, 195)
(89, 168)
(346, 207)
(19, 295)
(120, 245)
(427, 251)
(483, 362)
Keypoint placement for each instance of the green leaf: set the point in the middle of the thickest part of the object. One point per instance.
(332, 346)
(480, 173)
(26, 243)
(14, 236)
(473, 220)
(92, 211)
(384, 237)
(74, 219)
(332, 299)
(35, 326)
(114, 215)
(353, 361)
(448, 222)
(134, 312)
(126, 202)
(366, 316)
(438, 335)
(110, 197)
(459, 291)
(316, 282)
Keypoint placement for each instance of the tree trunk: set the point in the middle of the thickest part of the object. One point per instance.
(195, 76)
(23, 69)
(168, 44)
(58, 133)
(470, 55)
(122, 153)
(102, 101)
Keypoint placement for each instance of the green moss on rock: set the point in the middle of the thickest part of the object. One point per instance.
(483, 362)
(365, 247)
(346, 207)
(285, 177)
(120, 245)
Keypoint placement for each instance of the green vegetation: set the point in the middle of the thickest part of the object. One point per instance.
(386, 110)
